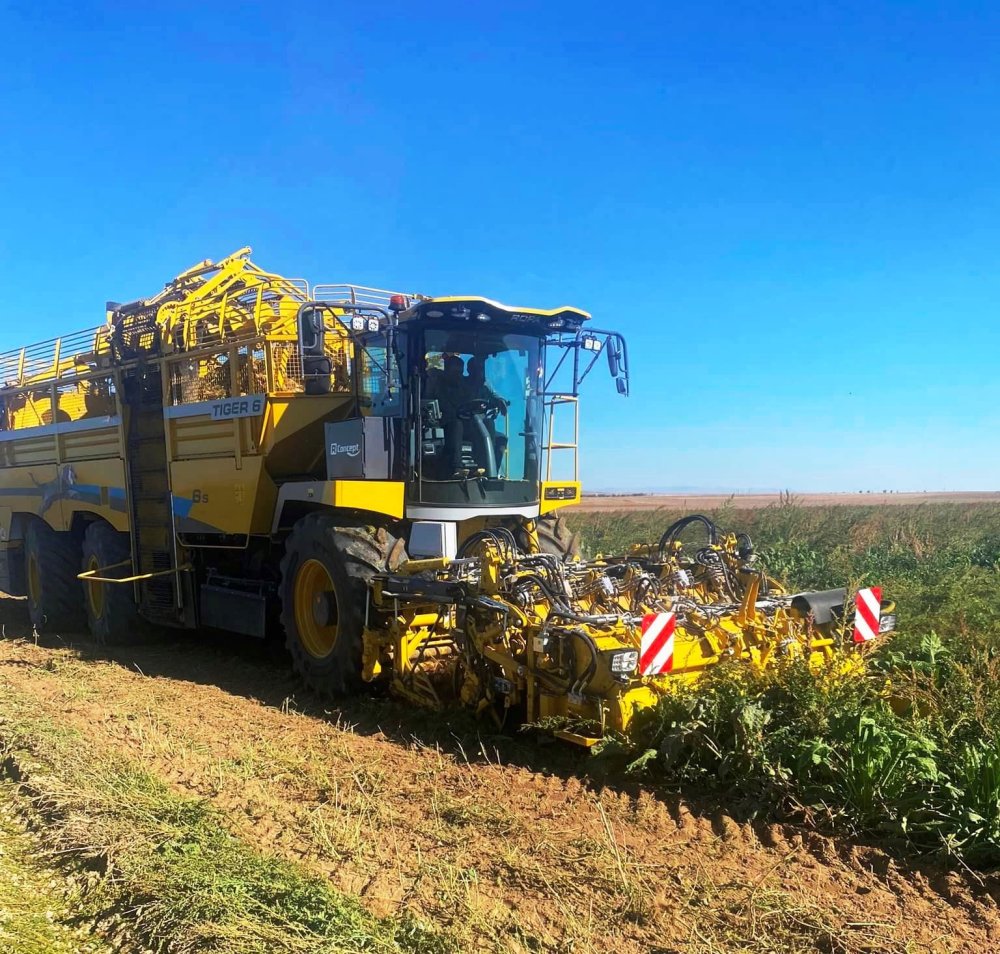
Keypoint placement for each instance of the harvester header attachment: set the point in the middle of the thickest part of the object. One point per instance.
(586, 644)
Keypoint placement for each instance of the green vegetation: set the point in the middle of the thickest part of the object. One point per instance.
(35, 900)
(154, 866)
(905, 747)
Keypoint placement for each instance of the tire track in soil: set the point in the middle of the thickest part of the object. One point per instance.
(508, 847)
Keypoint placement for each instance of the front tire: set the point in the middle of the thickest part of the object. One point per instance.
(55, 596)
(111, 611)
(556, 537)
(324, 592)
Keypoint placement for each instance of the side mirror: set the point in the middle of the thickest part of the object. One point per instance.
(614, 363)
(622, 385)
(311, 331)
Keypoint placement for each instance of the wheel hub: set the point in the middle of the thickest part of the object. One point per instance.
(325, 608)
(316, 612)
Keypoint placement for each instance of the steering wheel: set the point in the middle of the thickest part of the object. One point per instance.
(467, 410)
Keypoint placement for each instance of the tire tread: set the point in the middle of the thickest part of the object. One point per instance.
(556, 537)
(356, 552)
(121, 624)
(58, 556)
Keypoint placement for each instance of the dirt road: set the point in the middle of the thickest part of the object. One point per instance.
(694, 502)
(505, 844)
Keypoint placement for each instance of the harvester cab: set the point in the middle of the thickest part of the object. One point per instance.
(470, 403)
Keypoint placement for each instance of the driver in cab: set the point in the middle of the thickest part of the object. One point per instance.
(452, 389)
(479, 390)
(449, 389)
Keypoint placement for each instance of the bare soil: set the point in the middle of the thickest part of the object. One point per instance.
(695, 502)
(506, 843)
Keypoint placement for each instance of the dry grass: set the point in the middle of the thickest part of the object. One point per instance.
(36, 899)
(763, 919)
(164, 869)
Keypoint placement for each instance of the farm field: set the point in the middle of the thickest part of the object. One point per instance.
(711, 502)
(190, 796)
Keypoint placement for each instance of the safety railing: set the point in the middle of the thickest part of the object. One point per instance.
(358, 295)
(58, 401)
(69, 355)
(258, 366)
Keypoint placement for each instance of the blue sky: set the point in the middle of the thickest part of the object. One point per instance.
(792, 210)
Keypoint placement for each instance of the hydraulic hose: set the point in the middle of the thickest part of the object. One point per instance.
(500, 537)
(591, 669)
(560, 609)
(670, 534)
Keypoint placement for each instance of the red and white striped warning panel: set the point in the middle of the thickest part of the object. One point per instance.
(656, 652)
(868, 609)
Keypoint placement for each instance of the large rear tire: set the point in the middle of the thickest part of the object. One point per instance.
(51, 565)
(555, 536)
(324, 593)
(111, 611)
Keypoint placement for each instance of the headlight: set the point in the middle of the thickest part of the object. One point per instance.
(623, 662)
(357, 323)
(887, 623)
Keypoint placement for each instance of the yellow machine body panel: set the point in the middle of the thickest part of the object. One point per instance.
(375, 496)
(55, 470)
(218, 497)
(292, 434)
(559, 493)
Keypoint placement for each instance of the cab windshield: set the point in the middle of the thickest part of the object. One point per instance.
(480, 406)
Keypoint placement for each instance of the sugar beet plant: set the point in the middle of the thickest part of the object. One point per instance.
(904, 743)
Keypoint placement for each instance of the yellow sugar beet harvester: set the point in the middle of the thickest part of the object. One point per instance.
(379, 474)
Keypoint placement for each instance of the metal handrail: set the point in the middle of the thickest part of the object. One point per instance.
(90, 576)
(358, 294)
(553, 400)
(69, 355)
